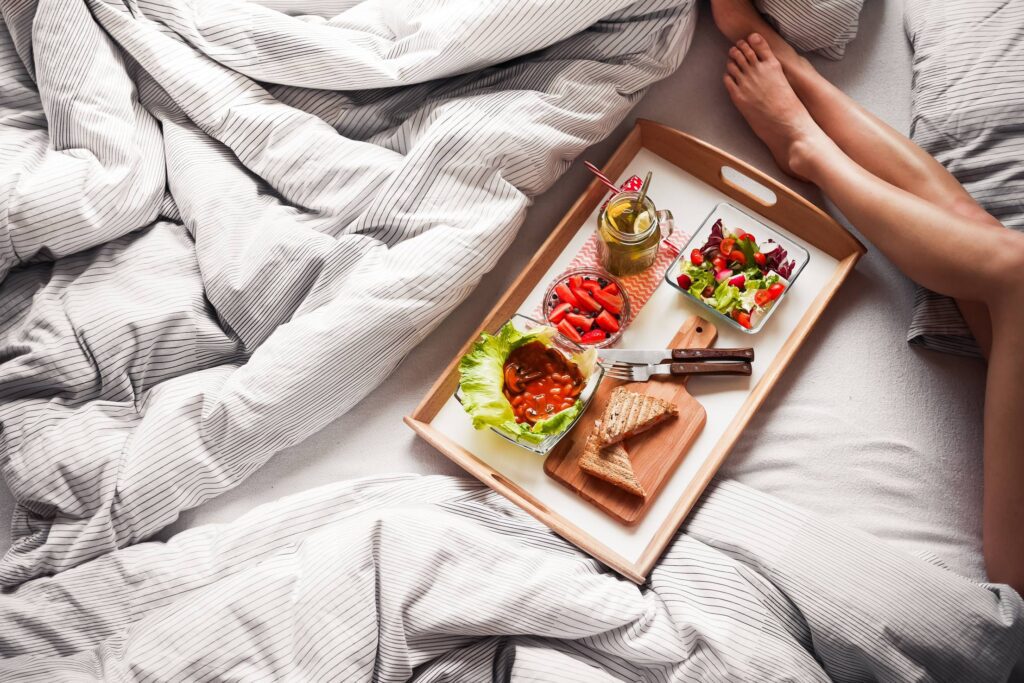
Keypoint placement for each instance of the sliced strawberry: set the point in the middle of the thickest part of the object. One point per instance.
(569, 331)
(607, 322)
(591, 286)
(559, 311)
(575, 281)
(579, 321)
(594, 337)
(610, 302)
(612, 288)
(587, 302)
(566, 295)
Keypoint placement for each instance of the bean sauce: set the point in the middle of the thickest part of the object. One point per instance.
(540, 381)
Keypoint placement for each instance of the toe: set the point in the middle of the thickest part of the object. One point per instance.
(747, 51)
(733, 70)
(738, 57)
(760, 47)
(730, 85)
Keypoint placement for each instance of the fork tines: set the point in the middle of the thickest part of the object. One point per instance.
(619, 370)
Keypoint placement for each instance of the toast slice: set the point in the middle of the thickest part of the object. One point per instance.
(610, 464)
(629, 413)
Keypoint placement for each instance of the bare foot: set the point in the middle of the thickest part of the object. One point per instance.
(759, 89)
(737, 19)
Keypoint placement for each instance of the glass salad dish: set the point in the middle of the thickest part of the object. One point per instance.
(746, 284)
(528, 394)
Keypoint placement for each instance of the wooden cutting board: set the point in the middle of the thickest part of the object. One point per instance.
(655, 454)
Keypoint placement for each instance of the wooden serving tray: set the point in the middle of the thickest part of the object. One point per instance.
(654, 454)
(692, 178)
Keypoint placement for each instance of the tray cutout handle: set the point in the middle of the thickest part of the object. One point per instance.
(743, 183)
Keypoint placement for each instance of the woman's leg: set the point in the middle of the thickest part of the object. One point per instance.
(964, 257)
(865, 138)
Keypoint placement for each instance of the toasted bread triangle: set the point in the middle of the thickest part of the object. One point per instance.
(610, 464)
(629, 413)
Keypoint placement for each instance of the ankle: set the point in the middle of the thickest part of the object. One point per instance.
(807, 152)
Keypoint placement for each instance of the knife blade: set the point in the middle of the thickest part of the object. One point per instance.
(653, 356)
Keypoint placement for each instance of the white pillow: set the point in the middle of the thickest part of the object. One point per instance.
(968, 114)
(822, 26)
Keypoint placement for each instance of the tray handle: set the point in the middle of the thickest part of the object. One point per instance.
(741, 182)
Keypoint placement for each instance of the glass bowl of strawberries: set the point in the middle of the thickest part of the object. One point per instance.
(588, 307)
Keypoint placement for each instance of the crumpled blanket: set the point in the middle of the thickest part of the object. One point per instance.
(222, 223)
(439, 579)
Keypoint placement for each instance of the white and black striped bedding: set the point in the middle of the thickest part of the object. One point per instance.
(822, 26)
(968, 114)
(222, 225)
(439, 579)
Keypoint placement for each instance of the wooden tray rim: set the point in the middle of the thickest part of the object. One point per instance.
(704, 162)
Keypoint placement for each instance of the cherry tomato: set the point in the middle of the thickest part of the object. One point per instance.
(747, 236)
(762, 297)
(720, 263)
(760, 259)
(696, 258)
(684, 280)
(737, 255)
(742, 318)
(776, 290)
(727, 245)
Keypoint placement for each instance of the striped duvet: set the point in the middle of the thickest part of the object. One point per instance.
(221, 225)
(438, 579)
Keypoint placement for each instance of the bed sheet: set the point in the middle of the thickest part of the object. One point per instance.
(862, 428)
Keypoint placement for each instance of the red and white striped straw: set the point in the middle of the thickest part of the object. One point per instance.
(601, 176)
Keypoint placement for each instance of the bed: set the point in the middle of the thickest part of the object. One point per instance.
(873, 440)
(864, 431)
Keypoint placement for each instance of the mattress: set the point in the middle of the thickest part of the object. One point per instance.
(862, 428)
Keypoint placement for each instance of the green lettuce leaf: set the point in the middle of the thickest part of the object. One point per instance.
(700, 278)
(482, 377)
(727, 297)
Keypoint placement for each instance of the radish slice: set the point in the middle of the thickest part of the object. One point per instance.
(738, 280)
(723, 274)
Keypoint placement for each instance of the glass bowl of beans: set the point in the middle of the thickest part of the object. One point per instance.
(548, 382)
